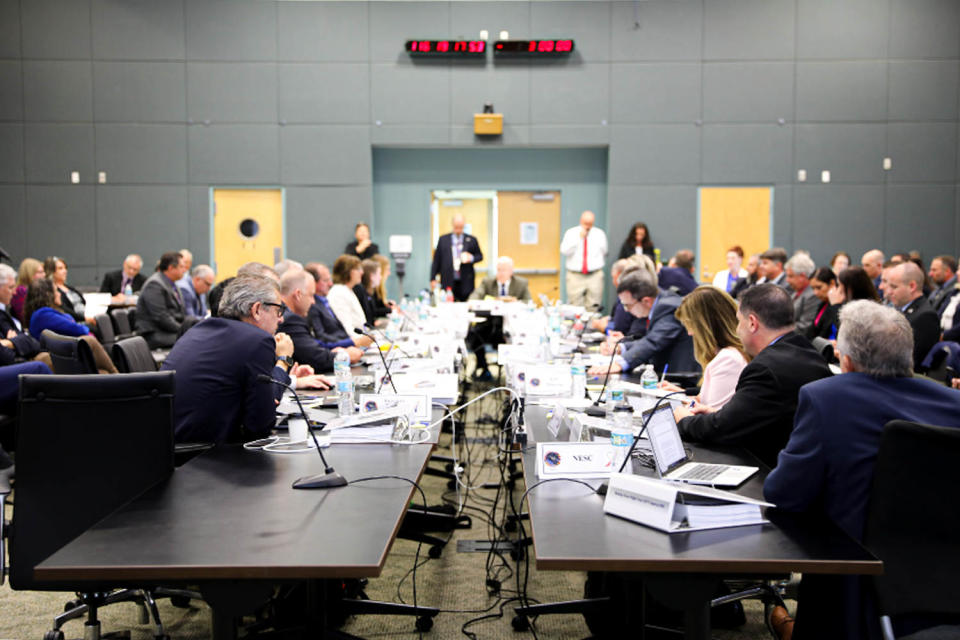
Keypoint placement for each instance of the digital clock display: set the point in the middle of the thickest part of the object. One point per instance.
(446, 47)
(533, 47)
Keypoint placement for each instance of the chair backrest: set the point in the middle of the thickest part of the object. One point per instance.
(912, 521)
(121, 318)
(69, 355)
(89, 445)
(132, 355)
(105, 327)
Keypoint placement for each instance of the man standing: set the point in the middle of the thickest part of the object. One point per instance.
(904, 288)
(585, 250)
(872, 262)
(759, 416)
(297, 289)
(943, 271)
(827, 465)
(454, 258)
(666, 342)
(798, 270)
(194, 290)
(160, 309)
(116, 282)
(771, 265)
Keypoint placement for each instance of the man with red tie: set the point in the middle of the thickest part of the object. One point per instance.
(585, 250)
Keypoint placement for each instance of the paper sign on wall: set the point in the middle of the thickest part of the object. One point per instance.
(529, 232)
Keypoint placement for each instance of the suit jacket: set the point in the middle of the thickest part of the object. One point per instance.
(219, 398)
(666, 341)
(827, 469)
(327, 329)
(926, 329)
(941, 296)
(677, 279)
(24, 345)
(193, 302)
(112, 280)
(518, 288)
(68, 306)
(805, 308)
(825, 328)
(366, 303)
(159, 308)
(625, 322)
(443, 262)
(759, 416)
(306, 349)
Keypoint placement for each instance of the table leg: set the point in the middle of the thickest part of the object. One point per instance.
(688, 592)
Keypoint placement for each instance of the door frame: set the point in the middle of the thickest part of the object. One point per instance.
(211, 208)
(700, 187)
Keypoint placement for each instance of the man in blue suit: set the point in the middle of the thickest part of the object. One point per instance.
(327, 329)
(194, 289)
(678, 278)
(220, 397)
(827, 464)
(454, 258)
(666, 342)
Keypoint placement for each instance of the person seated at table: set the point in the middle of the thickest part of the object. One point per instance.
(30, 271)
(726, 279)
(752, 267)
(23, 345)
(369, 281)
(218, 362)
(382, 305)
(160, 311)
(194, 290)
(362, 247)
(347, 274)
(759, 416)
(665, 343)
(799, 269)
(825, 320)
(327, 329)
(286, 265)
(116, 282)
(258, 269)
(620, 322)
(710, 316)
(297, 289)
(827, 465)
(678, 276)
(72, 300)
(507, 287)
(42, 311)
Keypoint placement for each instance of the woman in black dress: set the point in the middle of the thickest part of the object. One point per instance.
(638, 241)
(362, 247)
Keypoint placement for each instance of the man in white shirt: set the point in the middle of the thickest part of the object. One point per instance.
(585, 250)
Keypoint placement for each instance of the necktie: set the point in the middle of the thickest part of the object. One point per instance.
(503, 290)
(124, 283)
(585, 254)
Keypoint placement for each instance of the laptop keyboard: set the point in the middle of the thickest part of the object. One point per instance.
(701, 472)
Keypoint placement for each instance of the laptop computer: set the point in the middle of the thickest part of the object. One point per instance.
(671, 461)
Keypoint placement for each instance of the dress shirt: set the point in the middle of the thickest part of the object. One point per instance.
(346, 307)
(720, 377)
(723, 280)
(16, 320)
(503, 288)
(949, 313)
(572, 248)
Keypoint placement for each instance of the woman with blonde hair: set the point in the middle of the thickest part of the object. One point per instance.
(381, 304)
(30, 271)
(710, 317)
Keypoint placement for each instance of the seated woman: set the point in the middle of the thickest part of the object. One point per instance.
(42, 311)
(824, 323)
(30, 271)
(73, 303)
(362, 247)
(369, 281)
(726, 279)
(347, 274)
(710, 316)
(382, 306)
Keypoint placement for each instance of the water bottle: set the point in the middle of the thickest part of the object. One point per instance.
(621, 434)
(449, 296)
(649, 378)
(341, 368)
(614, 396)
(578, 373)
(128, 290)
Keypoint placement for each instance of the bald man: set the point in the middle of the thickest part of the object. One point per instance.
(584, 247)
(872, 262)
(454, 258)
(904, 289)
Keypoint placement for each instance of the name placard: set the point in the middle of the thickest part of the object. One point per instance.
(574, 459)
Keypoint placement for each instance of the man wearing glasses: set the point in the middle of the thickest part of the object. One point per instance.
(194, 290)
(217, 363)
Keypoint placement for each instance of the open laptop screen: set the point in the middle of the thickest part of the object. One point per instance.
(665, 439)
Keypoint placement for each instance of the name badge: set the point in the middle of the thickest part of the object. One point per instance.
(574, 459)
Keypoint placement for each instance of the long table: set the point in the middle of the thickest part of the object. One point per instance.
(571, 532)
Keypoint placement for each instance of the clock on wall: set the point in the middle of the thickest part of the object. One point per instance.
(533, 48)
(446, 48)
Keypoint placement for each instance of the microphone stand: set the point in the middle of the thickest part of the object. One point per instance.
(596, 410)
(386, 368)
(583, 330)
(329, 478)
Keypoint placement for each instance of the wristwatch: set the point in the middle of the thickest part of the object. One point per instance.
(287, 360)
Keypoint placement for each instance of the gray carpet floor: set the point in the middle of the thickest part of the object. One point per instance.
(455, 583)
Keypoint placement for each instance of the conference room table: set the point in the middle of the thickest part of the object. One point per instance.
(571, 532)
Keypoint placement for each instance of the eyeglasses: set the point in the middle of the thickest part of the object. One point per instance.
(281, 308)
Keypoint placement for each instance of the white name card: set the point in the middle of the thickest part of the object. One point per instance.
(574, 459)
(547, 380)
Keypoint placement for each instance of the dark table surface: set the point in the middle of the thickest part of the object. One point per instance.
(571, 532)
(232, 514)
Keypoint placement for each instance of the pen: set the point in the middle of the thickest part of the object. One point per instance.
(664, 375)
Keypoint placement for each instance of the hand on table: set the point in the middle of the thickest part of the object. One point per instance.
(669, 386)
(314, 381)
(298, 370)
(601, 370)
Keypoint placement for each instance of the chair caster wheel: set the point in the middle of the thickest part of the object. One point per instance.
(70, 605)
(520, 623)
(424, 623)
(511, 526)
(180, 602)
(53, 634)
(435, 552)
(451, 484)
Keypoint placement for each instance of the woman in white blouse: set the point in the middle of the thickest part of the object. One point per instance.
(347, 273)
(710, 316)
(726, 279)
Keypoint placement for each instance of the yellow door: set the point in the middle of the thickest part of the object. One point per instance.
(247, 227)
(529, 232)
(476, 218)
(732, 216)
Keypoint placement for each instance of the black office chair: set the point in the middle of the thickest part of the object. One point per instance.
(122, 322)
(69, 355)
(107, 438)
(132, 355)
(105, 330)
(912, 524)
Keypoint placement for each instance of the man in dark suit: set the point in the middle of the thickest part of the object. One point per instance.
(678, 277)
(904, 289)
(759, 416)
(771, 266)
(827, 466)
(114, 282)
(454, 258)
(798, 271)
(22, 346)
(666, 342)
(160, 310)
(327, 329)
(297, 289)
(943, 272)
(219, 396)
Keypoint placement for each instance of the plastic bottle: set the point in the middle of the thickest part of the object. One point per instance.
(614, 396)
(128, 290)
(449, 295)
(649, 378)
(621, 434)
(578, 374)
(341, 368)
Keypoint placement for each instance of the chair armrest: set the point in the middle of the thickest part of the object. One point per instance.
(4, 492)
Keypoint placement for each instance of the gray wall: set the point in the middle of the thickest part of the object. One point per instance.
(172, 97)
